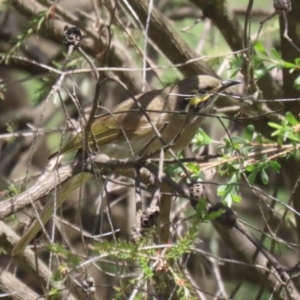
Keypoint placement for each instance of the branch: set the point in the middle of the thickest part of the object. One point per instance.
(117, 57)
(229, 26)
(45, 184)
(16, 289)
(28, 261)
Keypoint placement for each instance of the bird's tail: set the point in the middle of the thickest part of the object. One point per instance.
(63, 191)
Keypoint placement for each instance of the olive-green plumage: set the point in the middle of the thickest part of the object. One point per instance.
(126, 131)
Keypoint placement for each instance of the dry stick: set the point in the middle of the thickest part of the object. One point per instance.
(237, 238)
(132, 42)
(53, 90)
(230, 220)
(114, 69)
(249, 84)
(162, 31)
(27, 260)
(276, 265)
(160, 170)
(284, 277)
(43, 186)
(248, 63)
(71, 41)
(138, 192)
(281, 7)
(87, 131)
(46, 184)
(267, 227)
(15, 289)
(295, 191)
(263, 22)
(118, 58)
(97, 13)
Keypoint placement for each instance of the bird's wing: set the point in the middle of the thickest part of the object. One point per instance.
(126, 120)
(101, 133)
(105, 129)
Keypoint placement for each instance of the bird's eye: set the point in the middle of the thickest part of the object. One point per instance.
(202, 91)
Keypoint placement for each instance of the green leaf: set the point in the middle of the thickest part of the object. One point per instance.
(259, 47)
(259, 138)
(214, 215)
(264, 177)
(195, 168)
(249, 133)
(297, 61)
(276, 54)
(201, 206)
(201, 138)
(290, 117)
(233, 178)
(237, 140)
(41, 21)
(275, 125)
(250, 168)
(236, 198)
(297, 83)
(228, 200)
(53, 292)
(221, 190)
(252, 177)
(275, 166)
(288, 65)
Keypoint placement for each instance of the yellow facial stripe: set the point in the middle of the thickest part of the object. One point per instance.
(194, 101)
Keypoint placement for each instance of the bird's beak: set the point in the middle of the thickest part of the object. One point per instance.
(227, 83)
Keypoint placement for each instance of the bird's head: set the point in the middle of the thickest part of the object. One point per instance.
(200, 92)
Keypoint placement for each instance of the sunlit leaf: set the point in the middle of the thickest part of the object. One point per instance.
(221, 190)
(276, 54)
(236, 198)
(290, 117)
(259, 47)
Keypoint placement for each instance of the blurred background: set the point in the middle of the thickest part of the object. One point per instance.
(150, 51)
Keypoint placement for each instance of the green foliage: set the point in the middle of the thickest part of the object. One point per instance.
(33, 26)
(143, 255)
(132, 253)
(202, 215)
(42, 92)
(185, 243)
(263, 62)
(12, 190)
(53, 293)
(248, 156)
(251, 156)
(287, 131)
(201, 139)
(274, 60)
(72, 260)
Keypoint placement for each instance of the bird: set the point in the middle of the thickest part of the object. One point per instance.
(131, 128)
